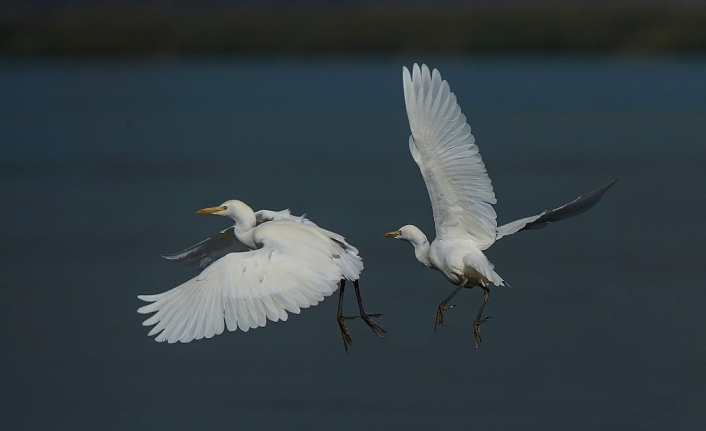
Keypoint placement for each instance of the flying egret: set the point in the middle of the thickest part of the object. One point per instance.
(460, 191)
(269, 263)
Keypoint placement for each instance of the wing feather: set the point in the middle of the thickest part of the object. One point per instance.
(230, 312)
(579, 205)
(204, 313)
(271, 309)
(209, 250)
(296, 268)
(444, 148)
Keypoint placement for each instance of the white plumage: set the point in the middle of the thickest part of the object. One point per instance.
(460, 191)
(290, 264)
(445, 150)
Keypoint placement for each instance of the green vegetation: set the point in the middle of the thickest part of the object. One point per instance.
(459, 29)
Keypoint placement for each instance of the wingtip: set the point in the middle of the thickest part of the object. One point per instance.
(406, 77)
(607, 186)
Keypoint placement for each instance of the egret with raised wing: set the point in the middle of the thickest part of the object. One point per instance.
(460, 191)
(268, 264)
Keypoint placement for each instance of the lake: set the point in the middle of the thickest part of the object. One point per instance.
(104, 163)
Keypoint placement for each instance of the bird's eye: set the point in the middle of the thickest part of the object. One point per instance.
(225, 207)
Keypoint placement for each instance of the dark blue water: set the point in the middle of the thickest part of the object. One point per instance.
(103, 164)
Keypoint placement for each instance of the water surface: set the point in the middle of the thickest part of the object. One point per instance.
(103, 164)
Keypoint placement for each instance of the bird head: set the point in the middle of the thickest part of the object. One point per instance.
(409, 233)
(237, 210)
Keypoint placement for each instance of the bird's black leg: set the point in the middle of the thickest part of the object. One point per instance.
(365, 316)
(443, 307)
(479, 321)
(347, 341)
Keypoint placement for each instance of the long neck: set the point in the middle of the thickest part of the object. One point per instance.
(421, 249)
(243, 229)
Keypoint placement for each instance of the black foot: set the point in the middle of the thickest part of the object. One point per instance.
(345, 334)
(440, 315)
(476, 329)
(372, 325)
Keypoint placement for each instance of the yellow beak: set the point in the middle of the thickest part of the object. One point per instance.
(210, 210)
(393, 234)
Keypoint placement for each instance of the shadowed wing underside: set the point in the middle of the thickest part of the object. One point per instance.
(581, 204)
(209, 250)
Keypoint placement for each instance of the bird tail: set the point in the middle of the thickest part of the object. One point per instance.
(477, 262)
(350, 262)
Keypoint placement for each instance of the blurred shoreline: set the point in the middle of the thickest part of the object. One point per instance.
(445, 29)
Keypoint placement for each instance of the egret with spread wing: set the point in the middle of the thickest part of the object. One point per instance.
(268, 264)
(460, 191)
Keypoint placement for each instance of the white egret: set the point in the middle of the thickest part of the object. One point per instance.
(268, 264)
(460, 191)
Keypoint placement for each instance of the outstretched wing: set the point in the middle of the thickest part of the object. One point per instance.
(444, 148)
(293, 269)
(581, 204)
(209, 250)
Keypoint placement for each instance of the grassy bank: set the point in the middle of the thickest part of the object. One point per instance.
(400, 29)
